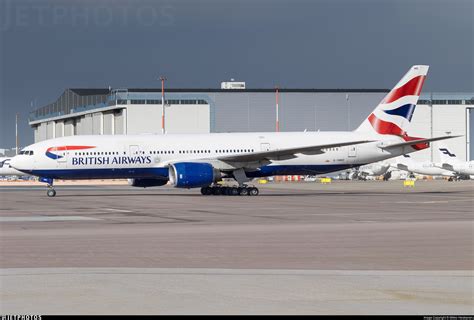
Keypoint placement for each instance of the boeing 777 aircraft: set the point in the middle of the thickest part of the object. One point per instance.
(201, 160)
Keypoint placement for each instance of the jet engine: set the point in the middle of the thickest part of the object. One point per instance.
(193, 174)
(145, 183)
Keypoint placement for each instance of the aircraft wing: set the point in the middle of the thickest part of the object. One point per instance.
(418, 141)
(446, 166)
(286, 154)
(402, 166)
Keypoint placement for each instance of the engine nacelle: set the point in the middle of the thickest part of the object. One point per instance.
(145, 183)
(192, 174)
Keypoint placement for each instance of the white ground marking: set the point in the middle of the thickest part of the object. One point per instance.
(45, 218)
(116, 210)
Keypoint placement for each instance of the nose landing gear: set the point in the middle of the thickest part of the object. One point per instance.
(51, 192)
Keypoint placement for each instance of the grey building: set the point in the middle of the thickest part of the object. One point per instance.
(139, 111)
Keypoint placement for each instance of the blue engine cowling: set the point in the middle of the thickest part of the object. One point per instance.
(145, 183)
(192, 174)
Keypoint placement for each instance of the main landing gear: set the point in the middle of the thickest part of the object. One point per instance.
(229, 191)
(238, 175)
(51, 192)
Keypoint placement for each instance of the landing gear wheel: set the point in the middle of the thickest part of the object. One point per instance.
(217, 191)
(51, 193)
(244, 191)
(253, 191)
(206, 191)
(234, 191)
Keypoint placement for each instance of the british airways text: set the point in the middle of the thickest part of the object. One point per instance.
(78, 161)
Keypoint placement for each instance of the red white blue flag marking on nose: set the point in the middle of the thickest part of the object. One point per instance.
(51, 155)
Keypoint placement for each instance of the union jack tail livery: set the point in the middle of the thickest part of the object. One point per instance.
(393, 114)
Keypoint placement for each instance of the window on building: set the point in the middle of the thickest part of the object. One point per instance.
(153, 101)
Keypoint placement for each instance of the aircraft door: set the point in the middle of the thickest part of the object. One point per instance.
(264, 147)
(61, 161)
(352, 152)
(134, 150)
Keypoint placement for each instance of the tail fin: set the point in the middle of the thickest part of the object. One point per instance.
(446, 155)
(394, 112)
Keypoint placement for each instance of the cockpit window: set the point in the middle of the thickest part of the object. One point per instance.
(2, 163)
(26, 152)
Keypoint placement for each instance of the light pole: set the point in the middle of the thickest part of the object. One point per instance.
(16, 133)
(348, 113)
(431, 124)
(163, 129)
(277, 124)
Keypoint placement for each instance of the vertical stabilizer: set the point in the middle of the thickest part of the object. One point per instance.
(394, 113)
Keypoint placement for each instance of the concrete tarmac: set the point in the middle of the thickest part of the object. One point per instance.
(362, 233)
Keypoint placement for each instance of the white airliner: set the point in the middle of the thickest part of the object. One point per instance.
(7, 170)
(426, 168)
(370, 170)
(450, 162)
(201, 160)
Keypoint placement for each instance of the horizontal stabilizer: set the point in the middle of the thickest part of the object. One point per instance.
(417, 141)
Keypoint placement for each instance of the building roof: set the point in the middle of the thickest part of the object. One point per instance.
(296, 90)
(90, 91)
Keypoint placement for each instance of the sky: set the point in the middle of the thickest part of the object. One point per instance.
(47, 46)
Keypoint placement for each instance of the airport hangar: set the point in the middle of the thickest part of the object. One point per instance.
(138, 111)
